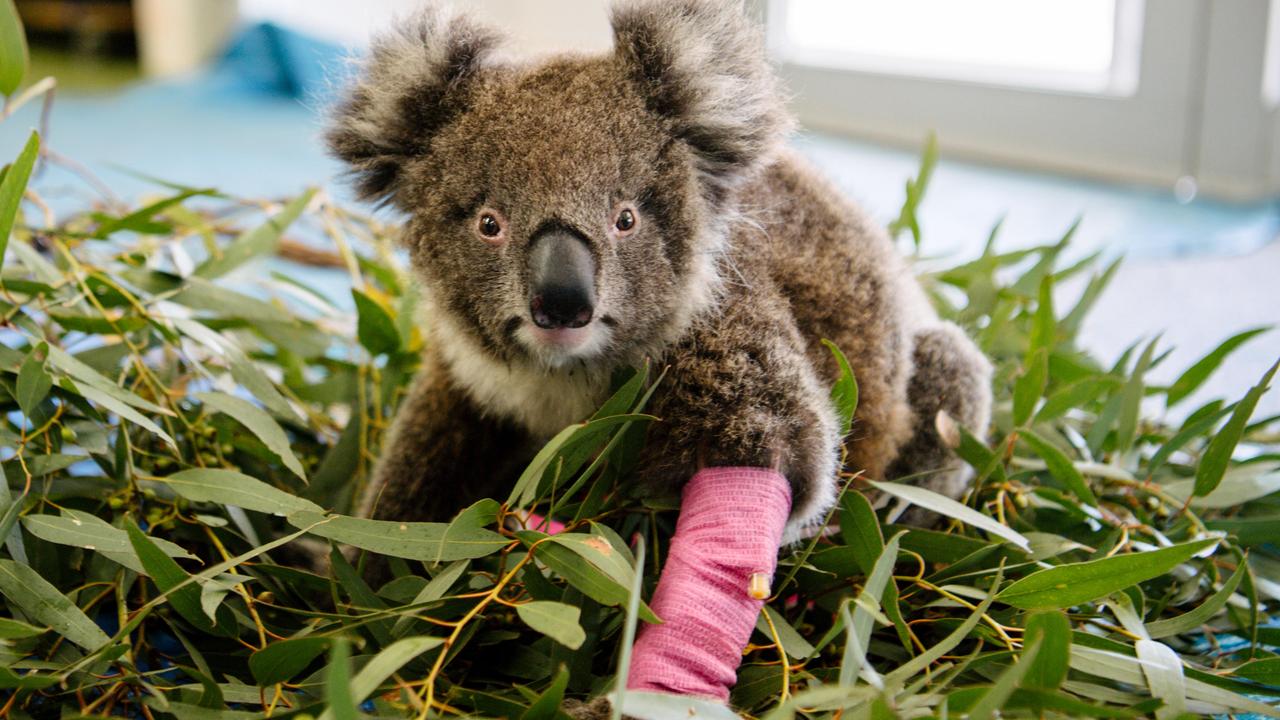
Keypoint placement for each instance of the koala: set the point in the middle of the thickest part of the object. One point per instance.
(571, 217)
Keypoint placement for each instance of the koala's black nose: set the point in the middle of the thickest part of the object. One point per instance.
(561, 281)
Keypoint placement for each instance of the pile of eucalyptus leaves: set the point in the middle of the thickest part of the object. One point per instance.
(183, 430)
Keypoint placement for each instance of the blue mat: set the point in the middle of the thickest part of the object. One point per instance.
(249, 125)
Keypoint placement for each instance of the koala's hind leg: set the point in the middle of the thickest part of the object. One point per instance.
(950, 375)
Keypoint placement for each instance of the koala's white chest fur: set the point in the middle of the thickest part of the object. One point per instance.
(541, 401)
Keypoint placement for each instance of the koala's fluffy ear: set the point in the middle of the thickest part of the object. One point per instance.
(416, 79)
(701, 64)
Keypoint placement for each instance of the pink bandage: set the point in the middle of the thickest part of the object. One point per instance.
(730, 526)
(534, 521)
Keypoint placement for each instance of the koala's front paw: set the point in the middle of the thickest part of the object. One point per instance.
(598, 709)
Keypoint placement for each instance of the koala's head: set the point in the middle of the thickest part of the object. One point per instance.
(570, 210)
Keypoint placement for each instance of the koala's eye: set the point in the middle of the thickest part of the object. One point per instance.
(491, 226)
(626, 220)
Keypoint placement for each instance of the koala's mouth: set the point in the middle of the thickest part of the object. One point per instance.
(562, 345)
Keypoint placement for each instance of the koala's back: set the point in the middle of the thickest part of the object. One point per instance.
(846, 281)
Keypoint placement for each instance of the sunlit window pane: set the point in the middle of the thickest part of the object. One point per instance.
(1057, 37)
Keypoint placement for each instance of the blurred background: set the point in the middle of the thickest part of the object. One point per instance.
(1156, 122)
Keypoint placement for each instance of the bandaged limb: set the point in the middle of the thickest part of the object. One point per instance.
(718, 573)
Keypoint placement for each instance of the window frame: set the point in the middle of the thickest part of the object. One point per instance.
(1186, 113)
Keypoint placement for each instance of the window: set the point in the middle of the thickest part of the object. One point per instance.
(1159, 93)
(1082, 45)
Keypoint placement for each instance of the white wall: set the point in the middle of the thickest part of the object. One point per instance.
(536, 26)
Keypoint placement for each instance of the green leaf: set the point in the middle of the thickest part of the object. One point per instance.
(43, 603)
(555, 620)
(15, 178)
(432, 591)
(85, 375)
(1131, 400)
(13, 51)
(172, 580)
(140, 220)
(1044, 325)
(337, 683)
(98, 323)
(910, 669)
(793, 643)
(1052, 630)
(1029, 386)
(9, 680)
(860, 529)
(564, 454)
(859, 626)
(583, 574)
(1189, 621)
(989, 705)
(243, 370)
(547, 706)
(1194, 377)
(624, 398)
(1060, 466)
(384, 665)
(34, 381)
(81, 529)
(259, 423)
(111, 402)
(262, 240)
(645, 705)
(1193, 430)
(946, 506)
(1240, 484)
(1126, 669)
(844, 394)
(1163, 670)
(1076, 395)
(1250, 531)
(1265, 671)
(14, 630)
(1213, 464)
(907, 218)
(198, 293)
(188, 711)
(228, 487)
(1070, 325)
(282, 660)
(1068, 585)
(375, 328)
(428, 542)
(363, 598)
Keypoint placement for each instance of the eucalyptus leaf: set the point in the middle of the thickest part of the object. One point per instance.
(260, 241)
(429, 542)
(946, 506)
(284, 659)
(1068, 585)
(228, 487)
(13, 54)
(43, 603)
(555, 620)
(260, 424)
(1213, 464)
(15, 177)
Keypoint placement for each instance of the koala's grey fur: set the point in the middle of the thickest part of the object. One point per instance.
(744, 259)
